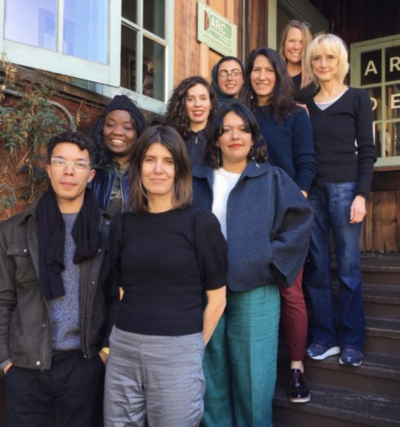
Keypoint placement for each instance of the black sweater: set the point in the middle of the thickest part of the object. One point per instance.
(300, 95)
(336, 131)
(164, 262)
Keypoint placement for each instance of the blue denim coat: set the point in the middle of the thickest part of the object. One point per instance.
(102, 187)
(268, 225)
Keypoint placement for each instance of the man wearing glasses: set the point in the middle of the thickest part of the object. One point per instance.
(57, 301)
(227, 80)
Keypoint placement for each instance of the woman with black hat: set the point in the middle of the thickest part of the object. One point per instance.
(114, 133)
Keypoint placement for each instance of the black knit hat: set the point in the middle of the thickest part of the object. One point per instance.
(122, 102)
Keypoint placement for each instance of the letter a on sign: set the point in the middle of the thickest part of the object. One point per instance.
(370, 68)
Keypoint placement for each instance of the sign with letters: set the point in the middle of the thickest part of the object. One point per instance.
(216, 31)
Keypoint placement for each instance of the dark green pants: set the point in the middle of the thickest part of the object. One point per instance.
(240, 361)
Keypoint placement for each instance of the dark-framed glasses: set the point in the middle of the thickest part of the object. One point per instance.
(223, 74)
(78, 165)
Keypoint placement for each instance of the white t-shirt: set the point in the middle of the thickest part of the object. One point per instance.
(224, 182)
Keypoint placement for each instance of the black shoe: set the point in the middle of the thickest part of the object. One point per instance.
(299, 391)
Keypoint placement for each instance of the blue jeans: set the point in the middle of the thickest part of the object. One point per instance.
(331, 203)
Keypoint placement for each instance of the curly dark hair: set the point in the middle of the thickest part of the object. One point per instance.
(77, 138)
(281, 101)
(259, 151)
(176, 110)
(104, 157)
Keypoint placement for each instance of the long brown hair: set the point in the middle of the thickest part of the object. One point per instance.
(169, 138)
(307, 37)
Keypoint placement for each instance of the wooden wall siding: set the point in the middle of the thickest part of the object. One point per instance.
(190, 57)
(256, 27)
(381, 229)
(359, 20)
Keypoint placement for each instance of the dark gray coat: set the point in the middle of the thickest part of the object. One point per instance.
(25, 329)
(268, 225)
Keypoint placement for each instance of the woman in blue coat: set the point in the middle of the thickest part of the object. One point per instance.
(266, 221)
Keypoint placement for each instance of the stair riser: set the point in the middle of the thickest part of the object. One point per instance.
(345, 377)
(381, 345)
(294, 418)
(375, 278)
(382, 311)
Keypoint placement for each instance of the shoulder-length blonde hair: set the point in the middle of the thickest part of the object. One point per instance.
(331, 44)
(307, 39)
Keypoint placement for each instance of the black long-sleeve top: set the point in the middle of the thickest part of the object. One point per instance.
(164, 262)
(343, 140)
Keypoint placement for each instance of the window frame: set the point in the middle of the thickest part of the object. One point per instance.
(146, 102)
(55, 62)
(356, 49)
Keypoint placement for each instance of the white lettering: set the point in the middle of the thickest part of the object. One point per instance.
(371, 67)
(394, 63)
(374, 103)
(223, 26)
(395, 101)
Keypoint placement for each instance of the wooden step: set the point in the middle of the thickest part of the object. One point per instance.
(334, 407)
(382, 336)
(377, 269)
(382, 301)
(378, 374)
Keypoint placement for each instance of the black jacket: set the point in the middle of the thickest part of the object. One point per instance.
(196, 144)
(25, 328)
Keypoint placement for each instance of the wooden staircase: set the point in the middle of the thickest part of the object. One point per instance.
(344, 396)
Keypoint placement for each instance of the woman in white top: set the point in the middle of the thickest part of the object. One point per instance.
(266, 221)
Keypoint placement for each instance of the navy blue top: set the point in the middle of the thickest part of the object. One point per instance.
(290, 145)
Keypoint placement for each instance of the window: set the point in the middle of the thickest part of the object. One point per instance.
(71, 37)
(146, 47)
(375, 66)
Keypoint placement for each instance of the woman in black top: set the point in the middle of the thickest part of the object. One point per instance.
(191, 109)
(296, 37)
(165, 254)
(342, 126)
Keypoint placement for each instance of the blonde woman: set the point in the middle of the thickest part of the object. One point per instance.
(341, 117)
(296, 37)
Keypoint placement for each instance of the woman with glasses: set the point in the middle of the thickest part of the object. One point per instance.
(227, 80)
(342, 125)
(167, 255)
(264, 218)
(287, 130)
(190, 110)
(295, 39)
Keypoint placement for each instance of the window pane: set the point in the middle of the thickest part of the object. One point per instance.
(31, 22)
(393, 102)
(86, 28)
(128, 58)
(376, 102)
(371, 67)
(154, 16)
(392, 55)
(392, 139)
(153, 69)
(129, 10)
(378, 139)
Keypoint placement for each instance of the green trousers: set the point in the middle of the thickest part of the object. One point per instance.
(240, 361)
